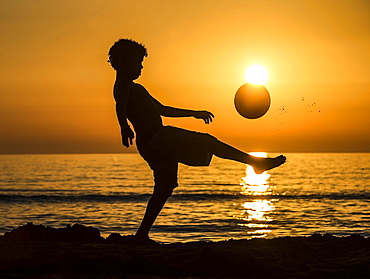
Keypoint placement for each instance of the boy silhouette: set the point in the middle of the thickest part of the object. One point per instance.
(163, 147)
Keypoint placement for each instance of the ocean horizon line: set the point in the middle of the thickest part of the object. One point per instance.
(135, 152)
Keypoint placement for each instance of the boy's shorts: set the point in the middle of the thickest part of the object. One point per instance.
(172, 145)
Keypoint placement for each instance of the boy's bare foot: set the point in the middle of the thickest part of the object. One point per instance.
(263, 164)
(146, 240)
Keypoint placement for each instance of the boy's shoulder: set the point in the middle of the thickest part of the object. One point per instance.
(125, 84)
(137, 86)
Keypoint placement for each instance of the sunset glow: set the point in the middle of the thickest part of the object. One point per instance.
(256, 212)
(257, 184)
(256, 74)
(56, 86)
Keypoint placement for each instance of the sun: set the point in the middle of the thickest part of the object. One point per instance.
(256, 74)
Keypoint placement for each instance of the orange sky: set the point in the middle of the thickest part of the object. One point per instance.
(56, 87)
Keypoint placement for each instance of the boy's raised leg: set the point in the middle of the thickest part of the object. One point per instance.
(259, 165)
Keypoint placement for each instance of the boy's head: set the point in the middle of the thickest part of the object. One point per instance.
(127, 55)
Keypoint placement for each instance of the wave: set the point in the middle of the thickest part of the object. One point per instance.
(74, 198)
(134, 197)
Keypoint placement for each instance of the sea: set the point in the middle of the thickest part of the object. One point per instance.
(311, 193)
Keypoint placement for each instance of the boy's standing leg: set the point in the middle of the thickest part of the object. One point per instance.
(165, 181)
(154, 207)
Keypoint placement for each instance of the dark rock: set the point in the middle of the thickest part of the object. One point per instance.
(75, 233)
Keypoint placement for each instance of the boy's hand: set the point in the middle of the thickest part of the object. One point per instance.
(127, 135)
(205, 115)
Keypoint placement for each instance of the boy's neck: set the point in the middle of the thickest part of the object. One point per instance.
(121, 76)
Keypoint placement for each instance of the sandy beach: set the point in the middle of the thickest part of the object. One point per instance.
(36, 251)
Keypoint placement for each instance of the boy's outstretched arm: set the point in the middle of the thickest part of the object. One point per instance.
(178, 112)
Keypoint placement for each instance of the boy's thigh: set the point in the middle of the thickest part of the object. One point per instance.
(188, 147)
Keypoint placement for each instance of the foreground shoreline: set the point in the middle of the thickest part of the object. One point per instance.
(36, 251)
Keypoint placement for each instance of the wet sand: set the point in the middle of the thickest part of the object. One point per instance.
(35, 251)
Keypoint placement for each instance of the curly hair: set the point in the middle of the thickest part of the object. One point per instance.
(124, 48)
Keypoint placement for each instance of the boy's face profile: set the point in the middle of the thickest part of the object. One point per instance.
(132, 66)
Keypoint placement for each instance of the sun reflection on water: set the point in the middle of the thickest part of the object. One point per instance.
(256, 212)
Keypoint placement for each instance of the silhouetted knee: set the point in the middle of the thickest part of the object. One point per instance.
(213, 140)
(214, 143)
(164, 192)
